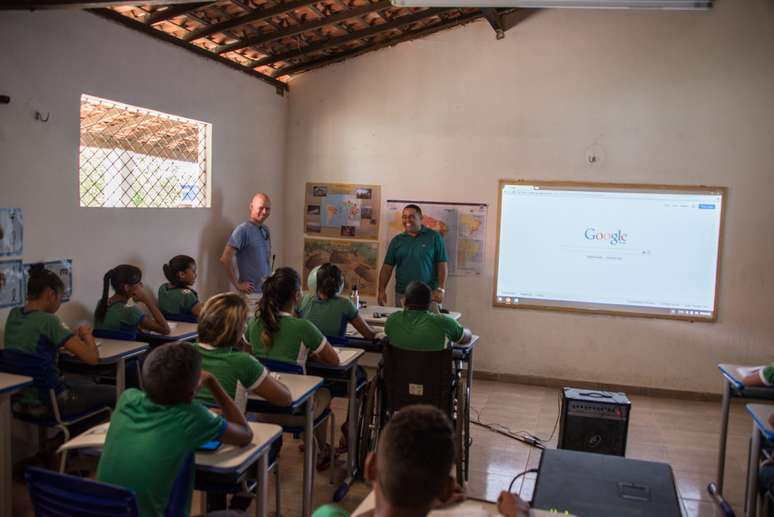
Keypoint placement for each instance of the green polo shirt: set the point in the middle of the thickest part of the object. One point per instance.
(330, 510)
(292, 343)
(766, 374)
(421, 330)
(414, 258)
(148, 443)
(232, 368)
(331, 315)
(120, 316)
(177, 300)
(37, 333)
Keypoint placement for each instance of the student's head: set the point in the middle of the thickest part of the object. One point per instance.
(260, 208)
(180, 271)
(222, 320)
(418, 296)
(330, 281)
(412, 218)
(414, 458)
(45, 287)
(125, 280)
(281, 291)
(170, 373)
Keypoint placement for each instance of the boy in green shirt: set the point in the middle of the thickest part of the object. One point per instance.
(416, 328)
(154, 434)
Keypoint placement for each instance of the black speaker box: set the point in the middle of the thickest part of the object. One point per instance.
(594, 421)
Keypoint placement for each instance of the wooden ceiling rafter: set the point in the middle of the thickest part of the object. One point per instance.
(173, 11)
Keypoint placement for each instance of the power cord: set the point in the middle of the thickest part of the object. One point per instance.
(517, 476)
(521, 436)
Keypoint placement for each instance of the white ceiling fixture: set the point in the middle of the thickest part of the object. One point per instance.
(689, 5)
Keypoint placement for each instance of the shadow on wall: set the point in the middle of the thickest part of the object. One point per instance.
(214, 236)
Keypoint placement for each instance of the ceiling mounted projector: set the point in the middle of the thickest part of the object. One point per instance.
(567, 4)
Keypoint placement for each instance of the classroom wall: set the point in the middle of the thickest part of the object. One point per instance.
(49, 59)
(667, 97)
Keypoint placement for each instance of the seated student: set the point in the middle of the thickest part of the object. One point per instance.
(221, 326)
(762, 377)
(409, 470)
(328, 310)
(34, 329)
(154, 434)
(176, 298)
(275, 333)
(416, 328)
(113, 313)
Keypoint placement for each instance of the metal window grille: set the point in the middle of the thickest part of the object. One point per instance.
(137, 158)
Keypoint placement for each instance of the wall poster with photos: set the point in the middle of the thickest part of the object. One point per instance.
(11, 283)
(342, 210)
(11, 231)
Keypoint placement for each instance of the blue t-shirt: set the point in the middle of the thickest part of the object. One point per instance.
(253, 245)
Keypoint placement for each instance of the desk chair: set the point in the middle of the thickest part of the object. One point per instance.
(46, 380)
(55, 494)
(185, 318)
(719, 500)
(410, 377)
(123, 335)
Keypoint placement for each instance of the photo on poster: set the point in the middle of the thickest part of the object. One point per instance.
(62, 268)
(11, 231)
(11, 283)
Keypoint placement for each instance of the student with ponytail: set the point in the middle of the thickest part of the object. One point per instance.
(275, 333)
(35, 330)
(176, 298)
(328, 310)
(112, 312)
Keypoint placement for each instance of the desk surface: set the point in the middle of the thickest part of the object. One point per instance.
(177, 330)
(301, 387)
(228, 458)
(347, 357)
(368, 314)
(602, 485)
(760, 414)
(11, 382)
(112, 350)
(734, 377)
(467, 508)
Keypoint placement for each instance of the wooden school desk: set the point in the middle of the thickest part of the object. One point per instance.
(761, 428)
(367, 314)
(8, 385)
(302, 389)
(111, 352)
(179, 331)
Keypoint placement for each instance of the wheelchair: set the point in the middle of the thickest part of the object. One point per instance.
(406, 377)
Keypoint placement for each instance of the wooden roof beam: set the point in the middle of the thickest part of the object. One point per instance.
(298, 29)
(162, 15)
(255, 16)
(79, 4)
(406, 36)
(397, 23)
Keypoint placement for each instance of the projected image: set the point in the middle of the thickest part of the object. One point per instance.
(632, 250)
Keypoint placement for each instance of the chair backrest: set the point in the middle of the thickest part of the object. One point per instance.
(412, 377)
(41, 369)
(55, 494)
(186, 318)
(123, 335)
(337, 340)
(282, 366)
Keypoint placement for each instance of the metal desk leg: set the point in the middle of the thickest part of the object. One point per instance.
(751, 503)
(306, 510)
(352, 440)
(262, 488)
(6, 487)
(120, 377)
(724, 409)
(468, 396)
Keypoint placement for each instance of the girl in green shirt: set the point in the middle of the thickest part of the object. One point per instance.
(275, 333)
(176, 298)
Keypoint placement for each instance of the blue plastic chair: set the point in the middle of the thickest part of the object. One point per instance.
(185, 318)
(55, 495)
(123, 335)
(46, 380)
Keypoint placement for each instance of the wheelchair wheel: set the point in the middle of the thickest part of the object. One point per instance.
(459, 428)
(368, 425)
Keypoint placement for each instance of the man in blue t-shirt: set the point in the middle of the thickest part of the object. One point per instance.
(250, 242)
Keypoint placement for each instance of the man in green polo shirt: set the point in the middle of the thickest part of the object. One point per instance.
(418, 253)
(416, 328)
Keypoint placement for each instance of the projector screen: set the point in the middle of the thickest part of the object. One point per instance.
(637, 250)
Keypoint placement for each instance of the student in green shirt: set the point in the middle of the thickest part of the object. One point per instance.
(328, 310)
(176, 298)
(221, 327)
(113, 314)
(409, 471)
(275, 333)
(153, 434)
(416, 328)
(34, 329)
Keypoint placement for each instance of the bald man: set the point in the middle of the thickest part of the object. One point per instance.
(250, 242)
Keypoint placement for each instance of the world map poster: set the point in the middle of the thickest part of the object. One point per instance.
(342, 210)
(462, 226)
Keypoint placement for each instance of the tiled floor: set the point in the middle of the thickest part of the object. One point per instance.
(681, 433)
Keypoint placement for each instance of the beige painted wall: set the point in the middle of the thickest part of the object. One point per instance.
(670, 97)
(49, 59)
